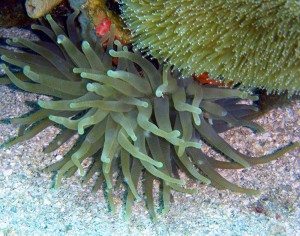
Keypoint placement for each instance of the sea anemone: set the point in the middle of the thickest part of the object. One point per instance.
(133, 119)
(255, 43)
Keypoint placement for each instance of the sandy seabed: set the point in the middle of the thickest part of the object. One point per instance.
(30, 206)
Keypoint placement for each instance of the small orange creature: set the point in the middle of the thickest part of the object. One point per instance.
(204, 78)
(102, 29)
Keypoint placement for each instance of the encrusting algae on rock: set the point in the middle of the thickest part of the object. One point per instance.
(135, 121)
(255, 43)
(99, 12)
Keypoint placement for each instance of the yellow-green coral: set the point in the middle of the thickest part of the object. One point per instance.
(256, 42)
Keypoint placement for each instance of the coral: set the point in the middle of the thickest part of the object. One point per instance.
(252, 42)
(39, 8)
(134, 120)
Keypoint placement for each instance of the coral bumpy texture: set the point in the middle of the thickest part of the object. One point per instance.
(253, 42)
(134, 120)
